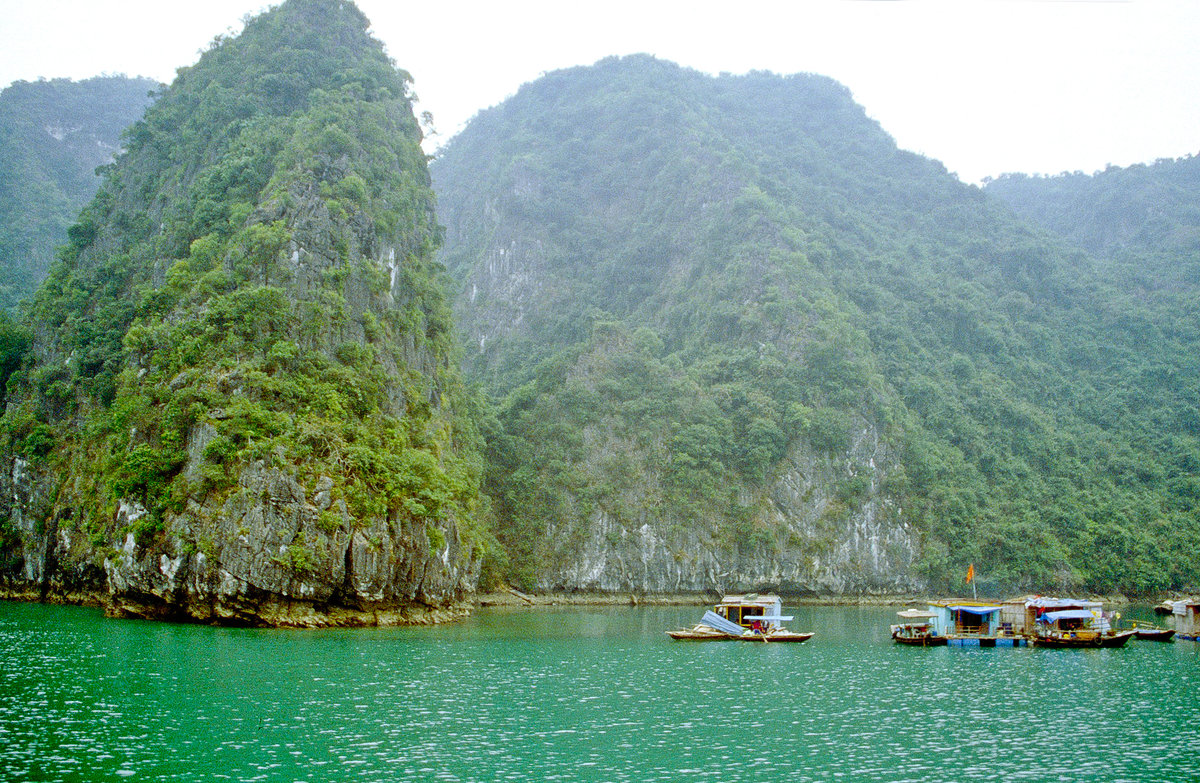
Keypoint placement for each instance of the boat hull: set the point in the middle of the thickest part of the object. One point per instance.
(697, 635)
(1084, 642)
(921, 641)
(1156, 634)
(775, 638)
(711, 635)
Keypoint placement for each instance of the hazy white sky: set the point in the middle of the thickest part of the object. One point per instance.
(985, 86)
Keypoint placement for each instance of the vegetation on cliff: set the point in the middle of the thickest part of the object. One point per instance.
(254, 288)
(670, 281)
(53, 135)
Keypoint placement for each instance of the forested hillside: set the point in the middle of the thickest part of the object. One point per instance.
(737, 337)
(240, 402)
(1152, 209)
(53, 136)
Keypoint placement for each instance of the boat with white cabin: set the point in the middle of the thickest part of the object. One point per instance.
(748, 618)
(916, 628)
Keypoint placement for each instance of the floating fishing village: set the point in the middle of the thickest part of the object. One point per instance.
(1029, 621)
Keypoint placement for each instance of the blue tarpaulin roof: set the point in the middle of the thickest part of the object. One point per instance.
(974, 609)
(1067, 614)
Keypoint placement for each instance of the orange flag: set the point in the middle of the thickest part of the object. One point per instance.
(970, 573)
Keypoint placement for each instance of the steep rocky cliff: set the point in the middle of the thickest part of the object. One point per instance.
(240, 405)
(807, 541)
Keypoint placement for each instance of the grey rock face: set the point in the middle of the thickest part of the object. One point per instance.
(506, 286)
(803, 539)
(271, 554)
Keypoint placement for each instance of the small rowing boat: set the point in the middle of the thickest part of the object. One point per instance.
(1153, 634)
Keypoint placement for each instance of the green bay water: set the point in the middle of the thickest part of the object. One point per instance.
(578, 694)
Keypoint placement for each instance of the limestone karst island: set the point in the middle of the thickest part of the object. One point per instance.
(636, 331)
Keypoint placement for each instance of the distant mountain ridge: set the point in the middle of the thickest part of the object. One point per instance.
(1145, 207)
(740, 339)
(53, 135)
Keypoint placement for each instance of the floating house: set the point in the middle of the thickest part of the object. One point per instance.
(1012, 616)
(973, 624)
(1033, 619)
(1185, 617)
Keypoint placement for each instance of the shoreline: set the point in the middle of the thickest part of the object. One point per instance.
(517, 599)
(510, 598)
(301, 615)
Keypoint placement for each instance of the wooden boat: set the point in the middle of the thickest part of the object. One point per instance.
(915, 629)
(1166, 607)
(701, 633)
(1078, 628)
(920, 640)
(742, 618)
(1152, 634)
(1081, 639)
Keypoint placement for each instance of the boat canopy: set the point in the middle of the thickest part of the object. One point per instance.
(1066, 614)
(916, 614)
(973, 609)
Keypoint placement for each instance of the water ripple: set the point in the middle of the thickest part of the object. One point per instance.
(578, 695)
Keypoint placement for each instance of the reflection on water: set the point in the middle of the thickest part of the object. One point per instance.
(579, 694)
